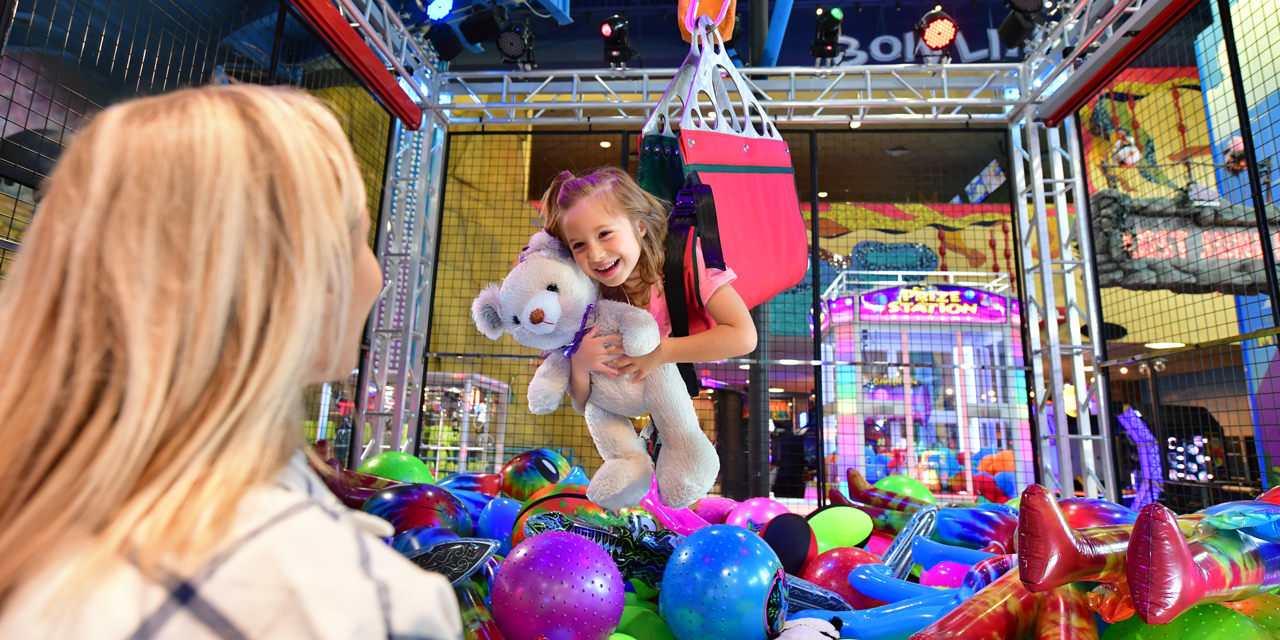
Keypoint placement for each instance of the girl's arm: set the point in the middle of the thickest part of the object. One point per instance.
(734, 335)
(592, 355)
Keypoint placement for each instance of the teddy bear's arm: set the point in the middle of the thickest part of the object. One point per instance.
(549, 384)
(639, 331)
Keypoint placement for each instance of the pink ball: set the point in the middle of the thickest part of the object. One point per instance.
(944, 574)
(560, 586)
(714, 509)
(755, 513)
(878, 543)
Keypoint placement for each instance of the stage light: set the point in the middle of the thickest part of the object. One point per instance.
(936, 29)
(439, 9)
(826, 33)
(515, 42)
(446, 43)
(617, 50)
(1026, 6)
(483, 24)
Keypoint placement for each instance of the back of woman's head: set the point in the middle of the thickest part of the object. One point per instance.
(162, 315)
(616, 189)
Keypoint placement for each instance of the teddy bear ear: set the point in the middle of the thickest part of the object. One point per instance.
(487, 313)
(543, 242)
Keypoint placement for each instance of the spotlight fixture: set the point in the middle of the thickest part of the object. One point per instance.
(516, 42)
(617, 50)
(483, 24)
(826, 33)
(1013, 31)
(445, 41)
(936, 29)
(439, 9)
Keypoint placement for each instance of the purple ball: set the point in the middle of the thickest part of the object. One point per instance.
(558, 585)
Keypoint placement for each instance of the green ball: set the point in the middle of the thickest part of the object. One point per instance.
(620, 636)
(643, 624)
(1205, 622)
(397, 466)
(906, 486)
(1014, 502)
(839, 526)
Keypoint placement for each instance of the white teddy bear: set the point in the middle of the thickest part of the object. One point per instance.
(548, 303)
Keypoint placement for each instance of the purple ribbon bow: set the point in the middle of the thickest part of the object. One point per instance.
(582, 333)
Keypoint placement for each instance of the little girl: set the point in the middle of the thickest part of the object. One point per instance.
(617, 234)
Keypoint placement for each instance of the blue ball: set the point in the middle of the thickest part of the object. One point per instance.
(496, 521)
(475, 503)
(724, 582)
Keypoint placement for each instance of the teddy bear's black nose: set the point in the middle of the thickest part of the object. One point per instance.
(537, 316)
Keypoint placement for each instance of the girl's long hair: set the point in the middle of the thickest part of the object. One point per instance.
(190, 251)
(616, 188)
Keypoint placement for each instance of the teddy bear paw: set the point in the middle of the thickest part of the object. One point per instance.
(621, 483)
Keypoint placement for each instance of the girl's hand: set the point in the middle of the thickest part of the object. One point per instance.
(640, 365)
(596, 353)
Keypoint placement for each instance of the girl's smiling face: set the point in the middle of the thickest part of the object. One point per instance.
(604, 243)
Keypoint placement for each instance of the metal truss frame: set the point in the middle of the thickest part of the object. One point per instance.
(1062, 272)
(792, 95)
(998, 94)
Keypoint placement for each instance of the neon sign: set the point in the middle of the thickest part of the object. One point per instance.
(941, 303)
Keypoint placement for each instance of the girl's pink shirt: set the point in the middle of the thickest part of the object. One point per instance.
(709, 281)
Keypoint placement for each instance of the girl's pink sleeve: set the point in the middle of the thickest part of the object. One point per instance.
(710, 280)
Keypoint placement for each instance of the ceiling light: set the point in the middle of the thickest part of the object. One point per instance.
(826, 33)
(1164, 345)
(439, 9)
(1088, 367)
(854, 124)
(787, 361)
(898, 151)
(951, 391)
(617, 47)
(936, 29)
(822, 194)
(1124, 370)
(606, 144)
(515, 42)
(744, 366)
(776, 390)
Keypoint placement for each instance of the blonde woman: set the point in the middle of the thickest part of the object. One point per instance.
(198, 258)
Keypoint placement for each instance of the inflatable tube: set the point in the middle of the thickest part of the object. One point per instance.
(352, 487)
(862, 491)
(928, 553)
(876, 581)
(986, 572)
(1051, 554)
(1065, 615)
(889, 622)
(803, 595)
(490, 484)
(1082, 513)
(1258, 519)
(1003, 610)
(1169, 574)
(681, 521)
(991, 528)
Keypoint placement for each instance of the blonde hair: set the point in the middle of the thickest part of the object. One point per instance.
(160, 322)
(622, 191)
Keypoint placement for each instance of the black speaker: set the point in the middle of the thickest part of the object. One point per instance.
(447, 44)
(483, 25)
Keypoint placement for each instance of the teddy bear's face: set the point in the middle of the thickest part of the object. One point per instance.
(541, 303)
